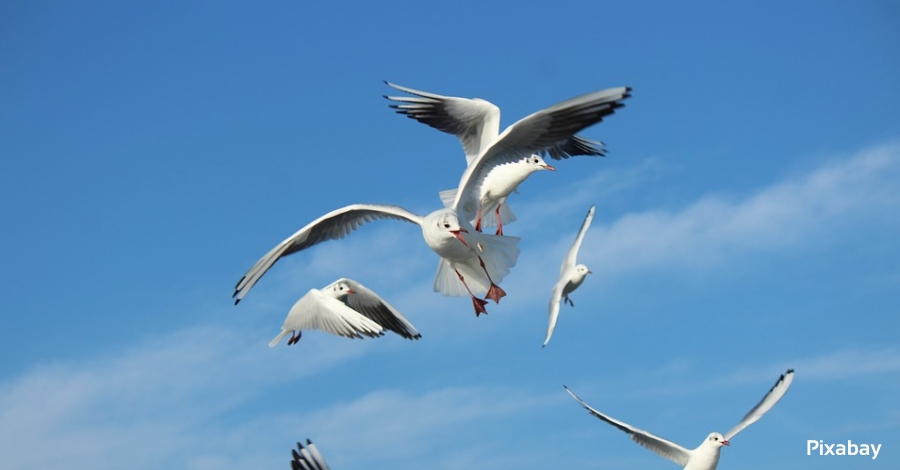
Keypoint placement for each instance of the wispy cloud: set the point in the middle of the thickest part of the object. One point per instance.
(809, 209)
(150, 399)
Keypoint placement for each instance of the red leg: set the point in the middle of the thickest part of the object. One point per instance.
(499, 222)
(495, 293)
(476, 302)
(478, 222)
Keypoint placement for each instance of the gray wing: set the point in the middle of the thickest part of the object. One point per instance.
(775, 393)
(658, 445)
(572, 256)
(475, 122)
(538, 132)
(307, 458)
(370, 304)
(331, 226)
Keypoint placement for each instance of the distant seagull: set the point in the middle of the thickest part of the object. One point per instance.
(570, 276)
(344, 308)
(476, 123)
(706, 455)
(307, 458)
(470, 261)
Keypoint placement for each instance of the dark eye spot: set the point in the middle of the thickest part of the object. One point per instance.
(446, 225)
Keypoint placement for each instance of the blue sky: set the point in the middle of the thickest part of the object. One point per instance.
(746, 223)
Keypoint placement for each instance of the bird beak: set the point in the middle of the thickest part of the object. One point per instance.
(590, 272)
(548, 167)
(351, 291)
(458, 234)
(726, 443)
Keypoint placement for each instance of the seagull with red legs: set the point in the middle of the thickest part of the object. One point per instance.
(476, 123)
(471, 262)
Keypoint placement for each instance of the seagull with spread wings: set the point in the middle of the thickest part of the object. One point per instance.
(476, 123)
(471, 262)
(571, 275)
(344, 308)
(706, 455)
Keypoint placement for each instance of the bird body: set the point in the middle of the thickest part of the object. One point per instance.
(476, 123)
(706, 455)
(571, 276)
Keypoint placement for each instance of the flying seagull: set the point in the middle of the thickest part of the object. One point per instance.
(706, 455)
(476, 123)
(571, 276)
(344, 308)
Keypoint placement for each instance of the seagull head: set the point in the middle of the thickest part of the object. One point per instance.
(537, 163)
(447, 221)
(716, 440)
(581, 271)
(339, 290)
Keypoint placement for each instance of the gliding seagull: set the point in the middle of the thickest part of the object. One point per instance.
(344, 308)
(706, 455)
(476, 123)
(571, 276)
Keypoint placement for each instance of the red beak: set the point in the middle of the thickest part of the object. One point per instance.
(458, 234)
(548, 167)
(351, 291)
(726, 443)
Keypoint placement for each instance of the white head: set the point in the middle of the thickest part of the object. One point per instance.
(582, 271)
(445, 221)
(339, 290)
(537, 163)
(716, 441)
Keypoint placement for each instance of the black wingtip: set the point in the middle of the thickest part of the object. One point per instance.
(237, 301)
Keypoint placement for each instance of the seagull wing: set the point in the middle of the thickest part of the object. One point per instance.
(370, 304)
(538, 132)
(572, 255)
(307, 458)
(319, 311)
(658, 445)
(778, 390)
(331, 226)
(475, 122)
(555, 299)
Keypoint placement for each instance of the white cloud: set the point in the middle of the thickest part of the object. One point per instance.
(150, 400)
(805, 210)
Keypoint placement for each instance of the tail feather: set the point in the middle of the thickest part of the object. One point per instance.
(447, 282)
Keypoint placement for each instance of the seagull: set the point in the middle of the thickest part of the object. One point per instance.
(307, 458)
(498, 184)
(470, 261)
(476, 123)
(344, 308)
(571, 276)
(706, 455)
